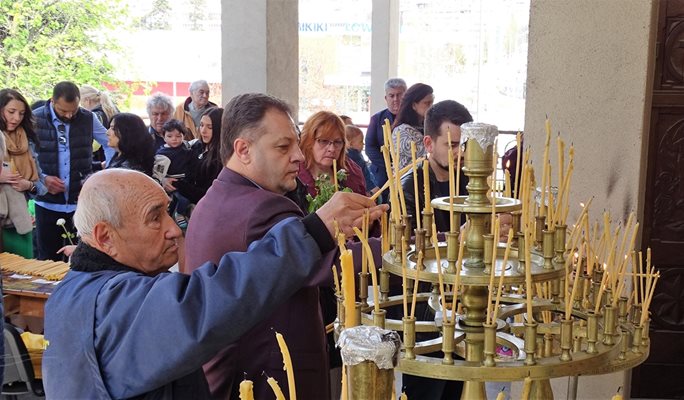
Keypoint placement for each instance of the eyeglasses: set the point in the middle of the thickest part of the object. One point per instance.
(325, 143)
(62, 139)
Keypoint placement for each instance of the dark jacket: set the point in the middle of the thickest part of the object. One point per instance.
(357, 157)
(180, 158)
(200, 174)
(233, 214)
(120, 161)
(441, 217)
(117, 333)
(158, 139)
(80, 147)
(374, 141)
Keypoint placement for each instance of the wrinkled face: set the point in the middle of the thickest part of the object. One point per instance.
(206, 129)
(439, 149)
(326, 150)
(393, 98)
(64, 110)
(422, 106)
(274, 157)
(159, 115)
(200, 97)
(13, 114)
(173, 138)
(112, 137)
(147, 238)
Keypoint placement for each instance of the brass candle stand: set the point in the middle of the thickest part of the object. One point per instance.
(557, 339)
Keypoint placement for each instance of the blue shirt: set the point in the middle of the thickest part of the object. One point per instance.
(64, 157)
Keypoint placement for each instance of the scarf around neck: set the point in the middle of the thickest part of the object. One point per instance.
(20, 158)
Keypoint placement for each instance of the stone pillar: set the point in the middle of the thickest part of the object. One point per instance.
(384, 49)
(260, 48)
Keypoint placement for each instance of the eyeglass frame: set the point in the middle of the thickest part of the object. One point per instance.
(325, 143)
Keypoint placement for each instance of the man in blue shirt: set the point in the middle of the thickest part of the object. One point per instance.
(66, 132)
(394, 92)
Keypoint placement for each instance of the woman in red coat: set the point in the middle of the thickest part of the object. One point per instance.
(322, 141)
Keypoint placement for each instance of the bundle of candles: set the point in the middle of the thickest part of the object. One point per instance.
(584, 275)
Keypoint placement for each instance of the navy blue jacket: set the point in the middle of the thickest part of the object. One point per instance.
(118, 333)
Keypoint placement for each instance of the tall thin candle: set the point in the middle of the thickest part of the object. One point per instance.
(373, 272)
(452, 191)
(493, 199)
(426, 186)
(499, 287)
(457, 281)
(287, 366)
(337, 187)
(403, 278)
(518, 142)
(348, 289)
(435, 243)
(415, 185)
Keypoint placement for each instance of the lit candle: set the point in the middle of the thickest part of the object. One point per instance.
(426, 186)
(276, 388)
(348, 289)
(415, 184)
(578, 272)
(335, 175)
(287, 363)
(246, 390)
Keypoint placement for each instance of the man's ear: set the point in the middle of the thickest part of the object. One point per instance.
(427, 143)
(241, 148)
(103, 236)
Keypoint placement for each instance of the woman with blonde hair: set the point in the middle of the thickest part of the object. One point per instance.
(322, 141)
(99, 103)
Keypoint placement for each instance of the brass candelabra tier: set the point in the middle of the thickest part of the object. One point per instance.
(567, 333)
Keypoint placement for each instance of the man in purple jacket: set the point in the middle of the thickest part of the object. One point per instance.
(260, 150)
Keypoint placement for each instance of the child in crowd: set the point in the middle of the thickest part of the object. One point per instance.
(355, 140)
(176, 149)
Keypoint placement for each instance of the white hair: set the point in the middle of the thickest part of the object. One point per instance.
(160, 99)
(100, 202)
(196, 85)
(395, 83)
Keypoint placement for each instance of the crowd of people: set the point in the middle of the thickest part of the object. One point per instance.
(232, 179)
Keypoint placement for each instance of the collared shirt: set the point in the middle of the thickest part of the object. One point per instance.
(64, 157)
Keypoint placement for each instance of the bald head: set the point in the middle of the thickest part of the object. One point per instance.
(105, 195)
(123, 213)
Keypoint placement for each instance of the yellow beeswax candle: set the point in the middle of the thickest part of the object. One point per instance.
(426, 186)
(246, 390)
(507, 180)
(335, 175)
(518, 142)
(348, 289)
(276, 388)
(452, 191)
(287, 366)
(373, 272)
(415, 184)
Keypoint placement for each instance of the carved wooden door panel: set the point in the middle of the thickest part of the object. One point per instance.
(662, 375)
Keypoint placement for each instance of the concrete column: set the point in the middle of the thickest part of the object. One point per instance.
(384, 49)
(260, 48)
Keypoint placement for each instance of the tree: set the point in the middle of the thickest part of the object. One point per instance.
(158, 18)
(43, 42)
(197, 14)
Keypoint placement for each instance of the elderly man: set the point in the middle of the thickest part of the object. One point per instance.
(260, 151)
(394, 92)
(66, 132)
(120, 326)
(191, 110)
(160, 111)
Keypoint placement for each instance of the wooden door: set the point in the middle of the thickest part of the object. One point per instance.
(662, 375)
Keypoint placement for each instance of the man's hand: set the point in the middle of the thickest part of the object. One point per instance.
(348, 210)
(54, 185)
(167, 183)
